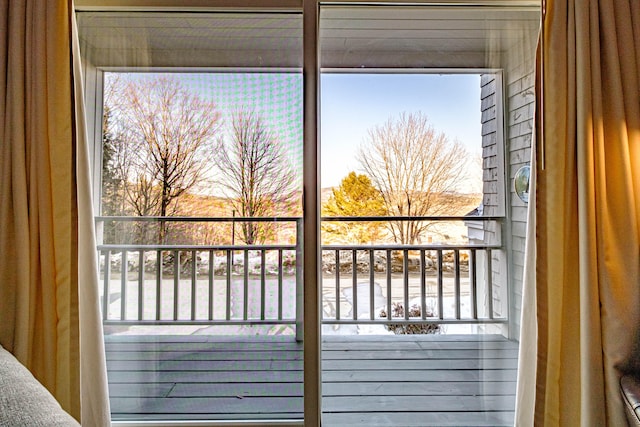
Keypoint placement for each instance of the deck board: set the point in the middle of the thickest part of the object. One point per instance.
(329, 389)
(375, 381)
(420, 419)
(344, 364)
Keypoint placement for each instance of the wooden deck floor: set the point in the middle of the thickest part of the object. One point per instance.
(439, 380)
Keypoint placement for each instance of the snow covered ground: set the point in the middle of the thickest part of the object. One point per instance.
(272, 296)
(271, 304)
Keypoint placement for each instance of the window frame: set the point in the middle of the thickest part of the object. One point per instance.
(310, 11)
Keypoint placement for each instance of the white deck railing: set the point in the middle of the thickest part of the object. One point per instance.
(164, 284)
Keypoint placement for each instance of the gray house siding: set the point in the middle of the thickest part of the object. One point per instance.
(506, 148)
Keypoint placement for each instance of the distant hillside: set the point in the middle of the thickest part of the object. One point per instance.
(199, 205)
(190, 204)
(467, 202)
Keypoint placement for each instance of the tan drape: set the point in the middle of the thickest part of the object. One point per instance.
(43, 201)
(93, 368)
(587, 213)
(525, 394)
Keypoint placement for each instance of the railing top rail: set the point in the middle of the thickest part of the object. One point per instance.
(293, 219)
(399, 247)
(329, 247)
(199, 248)
(194, 219)
(410, 218)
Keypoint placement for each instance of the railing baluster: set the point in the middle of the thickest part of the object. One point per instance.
(176, 282)
(124, 269)
(140, 284)
(194, 261)
(354, 279)
(280, 268)
(338, 284)
(107, 279)
(246, 287)
(228, 299)
(212, 264)
(299, 280)
(423, 285)
(456, 279)
(489, 282)
(440, 286)
(158, 284)
(389, 300)
(245, 297)
(371, 283)
(405, 280)
(263, 284)
(473, 290)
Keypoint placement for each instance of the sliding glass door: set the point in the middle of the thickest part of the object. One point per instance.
(198, 165)
(253, 275)
(426, 113)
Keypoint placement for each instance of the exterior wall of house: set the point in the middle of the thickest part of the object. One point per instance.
(493, 200)
(521, 110)
(506, 148)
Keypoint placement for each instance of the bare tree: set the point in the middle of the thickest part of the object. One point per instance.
(254, 172)
(416, 169)
(166, 135)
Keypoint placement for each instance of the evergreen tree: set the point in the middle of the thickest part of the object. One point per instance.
(112, 201)
(112, 197)
(355, 196)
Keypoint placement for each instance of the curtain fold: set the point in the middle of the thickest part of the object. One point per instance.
(525, 394)
(39, 322)
(587, 285)
(46, 297)
(94, 385)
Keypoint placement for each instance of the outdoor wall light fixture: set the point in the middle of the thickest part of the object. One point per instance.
(521, 183)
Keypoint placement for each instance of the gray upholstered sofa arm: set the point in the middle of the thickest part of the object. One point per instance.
(24, 401)
(630, 389)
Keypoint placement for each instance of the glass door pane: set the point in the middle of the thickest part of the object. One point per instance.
(198, 156)
(426, 113)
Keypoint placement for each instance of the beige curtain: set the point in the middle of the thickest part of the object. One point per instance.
(587, 286)
(525, 394)
(93, 367)
(48, 280)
